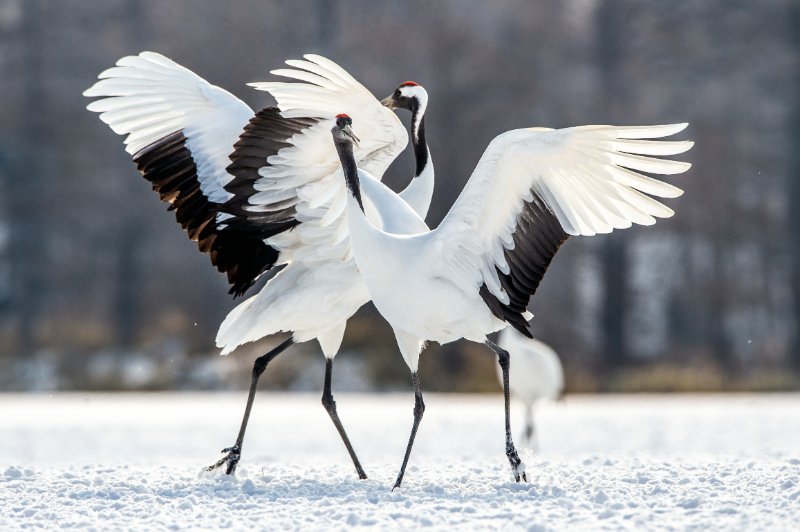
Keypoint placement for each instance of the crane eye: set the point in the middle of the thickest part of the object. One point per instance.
(397, 93)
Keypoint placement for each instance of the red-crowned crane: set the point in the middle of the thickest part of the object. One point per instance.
(263, 190)
(477, 271)
(538, 376)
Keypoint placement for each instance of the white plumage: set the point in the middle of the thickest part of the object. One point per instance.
(149, 96)
(321, 288)
(538, 375)
(256, 190)
(531, 189)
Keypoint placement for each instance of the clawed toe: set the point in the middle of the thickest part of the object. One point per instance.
(519, 477)
(231, 459)
(517, 465)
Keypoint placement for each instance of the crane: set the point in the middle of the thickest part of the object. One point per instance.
(260, 191)
(538, 375)
(477, 271)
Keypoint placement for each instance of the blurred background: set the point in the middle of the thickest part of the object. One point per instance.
(101, 290)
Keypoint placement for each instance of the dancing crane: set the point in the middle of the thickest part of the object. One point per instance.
(538, 375)
(477, 271)
(260, 191)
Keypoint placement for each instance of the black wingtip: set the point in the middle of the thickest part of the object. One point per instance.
(518, 322)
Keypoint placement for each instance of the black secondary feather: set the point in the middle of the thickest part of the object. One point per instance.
(236, 245)
(537, 237)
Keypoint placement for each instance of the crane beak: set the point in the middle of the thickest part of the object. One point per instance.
(347, 130)
(389, 102)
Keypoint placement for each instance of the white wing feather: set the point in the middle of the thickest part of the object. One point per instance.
(308, 173)
(589, 177)
(149, 96)
(321, 284)
(324, 90)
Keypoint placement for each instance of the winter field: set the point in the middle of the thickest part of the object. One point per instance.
(134, 461)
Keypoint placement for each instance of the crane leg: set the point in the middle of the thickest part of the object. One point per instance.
(234, 453)
(330, 406)
(517, 466)
(419, 409)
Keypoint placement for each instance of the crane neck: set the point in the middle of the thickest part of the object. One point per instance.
(419, 191)
(421, 152)
(345, 151)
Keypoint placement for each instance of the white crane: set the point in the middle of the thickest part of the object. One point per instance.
(477, 271)
(263, 190)
(538, 375)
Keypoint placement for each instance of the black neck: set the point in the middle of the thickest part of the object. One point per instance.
(345, 150)
(418, 139)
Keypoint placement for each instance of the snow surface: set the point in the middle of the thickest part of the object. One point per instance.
(134, 461)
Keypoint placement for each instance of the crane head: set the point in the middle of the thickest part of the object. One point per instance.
(343, 131)
(409, 95)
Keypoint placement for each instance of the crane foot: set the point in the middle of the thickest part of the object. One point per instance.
(230, 460)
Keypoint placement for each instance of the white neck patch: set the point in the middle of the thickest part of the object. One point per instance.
(416, 91)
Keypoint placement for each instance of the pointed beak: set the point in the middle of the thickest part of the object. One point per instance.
(347, 130)
(389, 102)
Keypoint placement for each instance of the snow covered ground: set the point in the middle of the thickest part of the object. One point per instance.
(635, 462)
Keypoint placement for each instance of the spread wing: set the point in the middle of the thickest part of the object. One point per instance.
(253, 190)
(303, 180)
(180, 130)
(533, 188)
(149, 97)
(322, 89)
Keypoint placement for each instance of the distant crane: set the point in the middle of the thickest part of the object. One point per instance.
(262, 190)
(538, 375)
(477, 271)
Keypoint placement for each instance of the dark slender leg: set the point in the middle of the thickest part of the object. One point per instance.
(235, 452)
(517, 467)
(419, 409)
(330, 406)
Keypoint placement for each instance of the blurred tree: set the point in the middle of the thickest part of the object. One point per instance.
(94, 260)
(6, 291)
(611, 22)
(129, 243)
(793, 176)
(28, 237)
